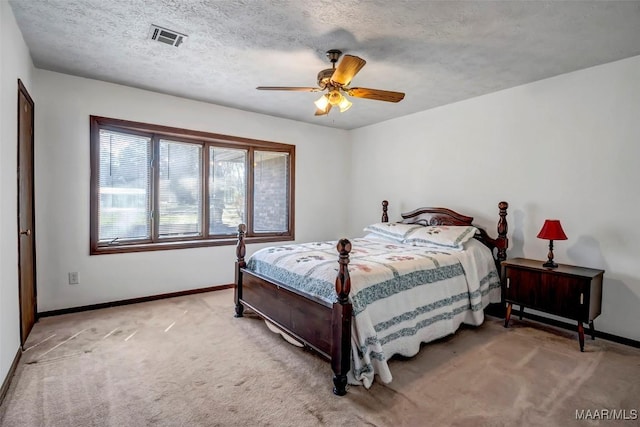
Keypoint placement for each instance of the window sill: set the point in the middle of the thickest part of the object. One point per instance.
(147, 247)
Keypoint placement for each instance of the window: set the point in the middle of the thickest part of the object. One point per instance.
(155, 187)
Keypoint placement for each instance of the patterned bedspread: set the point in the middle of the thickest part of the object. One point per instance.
(402, 295)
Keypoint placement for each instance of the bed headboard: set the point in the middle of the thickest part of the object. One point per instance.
(435, 216)
(444, 216)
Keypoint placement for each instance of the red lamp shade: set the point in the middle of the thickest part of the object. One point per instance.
(552, 230)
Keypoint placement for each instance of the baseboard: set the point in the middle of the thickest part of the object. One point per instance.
(12, 370)
(573, 327)
(132, 301)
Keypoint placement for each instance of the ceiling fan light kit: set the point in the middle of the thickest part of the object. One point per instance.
(336, 81)
(335, 99)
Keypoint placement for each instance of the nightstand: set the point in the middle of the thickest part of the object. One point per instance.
(566, 291)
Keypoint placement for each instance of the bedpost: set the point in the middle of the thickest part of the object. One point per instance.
(385, 205)
(503, 242)
(341, 322)
(241, 250)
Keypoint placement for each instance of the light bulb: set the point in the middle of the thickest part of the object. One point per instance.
(335, 97)
(344, 104)
(322, 102)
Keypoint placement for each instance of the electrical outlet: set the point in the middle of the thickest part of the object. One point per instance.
(73, 278)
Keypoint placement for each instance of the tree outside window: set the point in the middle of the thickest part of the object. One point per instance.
(156, 187)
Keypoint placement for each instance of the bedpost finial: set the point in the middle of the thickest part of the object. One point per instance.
(502, 223)
(343, 281)
(502, 232)
(241, 249)
(385, 205)
(344, 246)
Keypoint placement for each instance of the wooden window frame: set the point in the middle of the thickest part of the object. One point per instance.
(205, 140)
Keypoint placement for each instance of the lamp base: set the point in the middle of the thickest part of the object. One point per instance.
(550, 263)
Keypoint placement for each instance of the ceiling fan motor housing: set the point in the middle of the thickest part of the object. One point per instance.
(324, 77)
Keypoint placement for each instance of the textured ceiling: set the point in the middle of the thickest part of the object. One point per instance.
(435, 52)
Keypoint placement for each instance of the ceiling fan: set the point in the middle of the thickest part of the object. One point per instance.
(336, 82)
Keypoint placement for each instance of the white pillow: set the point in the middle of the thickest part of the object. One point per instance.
(451, 237)
(381, 238)
(392, 230)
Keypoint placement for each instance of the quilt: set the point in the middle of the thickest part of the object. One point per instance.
(402, 295)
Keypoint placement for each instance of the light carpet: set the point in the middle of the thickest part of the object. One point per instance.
(187, 361)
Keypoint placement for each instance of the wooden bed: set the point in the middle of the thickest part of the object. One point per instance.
(325, 327)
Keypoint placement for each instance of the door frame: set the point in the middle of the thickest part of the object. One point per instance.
(22, 90)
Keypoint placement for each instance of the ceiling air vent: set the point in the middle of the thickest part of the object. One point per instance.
(166, 36)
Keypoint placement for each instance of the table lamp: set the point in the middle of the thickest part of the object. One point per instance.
(551, 230)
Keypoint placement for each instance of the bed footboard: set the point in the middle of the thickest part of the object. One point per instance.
(320, 326)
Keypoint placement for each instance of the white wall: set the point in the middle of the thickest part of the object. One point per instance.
(15, 64)
(62, 190)
(561, 147)
(565, 147)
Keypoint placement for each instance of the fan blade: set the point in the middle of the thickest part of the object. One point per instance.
(290, 88)
(348, 67)
(324, 112)
(377, 94)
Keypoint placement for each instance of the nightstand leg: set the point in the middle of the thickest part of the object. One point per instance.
(593, 330)
(507, 315)
(521, 310)
(581, 335)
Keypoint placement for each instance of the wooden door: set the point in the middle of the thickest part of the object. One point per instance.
(26, 217)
